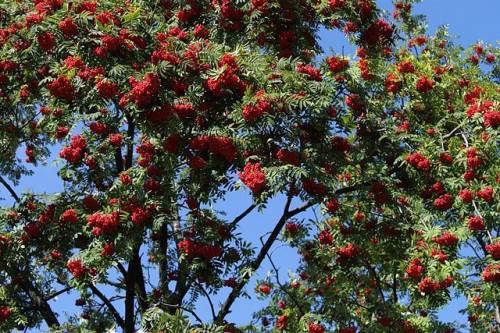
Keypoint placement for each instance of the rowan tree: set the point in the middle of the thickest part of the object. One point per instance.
(161, 109)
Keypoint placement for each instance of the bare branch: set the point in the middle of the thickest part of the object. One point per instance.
(242, 216)
(129, 325)
(130, 146)
(212, 309)
(141, 287)
(40, 303)
(10, 189)
(174, 306)
(57, 293)
(122, 270)
(254, 265)
(277, 277)
(109, 305)
(375, 276)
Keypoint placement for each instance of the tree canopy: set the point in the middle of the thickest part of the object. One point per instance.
(163, 108)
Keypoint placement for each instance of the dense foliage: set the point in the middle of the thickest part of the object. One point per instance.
(162, 108)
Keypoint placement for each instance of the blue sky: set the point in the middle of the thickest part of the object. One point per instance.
(470, 21)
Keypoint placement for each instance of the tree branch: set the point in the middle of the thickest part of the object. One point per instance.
(41, 304)
(292, 297)
(141, 287)
(109, 305)
(130, 292)
(10, 189)
(242, 216)
(225, 308)
(182, 286)
(130, 146)
(211, 304)
(343, 190)
(163, 262)
(57, 293)
(394, 286)
(122, 270)
(254, 265)
(179, 307)
(118, 160)
(375, 276)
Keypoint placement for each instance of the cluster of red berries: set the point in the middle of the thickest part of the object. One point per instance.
(104, 223)
(347, 253)
(288, 157)
(145, 91)
(424, 85)
(218, 145)
(428, 285)
(252, 112)
(228, 80)
(193, 249)
(253, 177)
(337, 64)
(74, 153)
(419, 161)
(447, 239)
(5, 313)
(311, 72)
(491, 273)
(415, 269)
(62, 88)
(77, 268)
(444, 202)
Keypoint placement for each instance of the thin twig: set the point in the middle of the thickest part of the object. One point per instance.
(446, 136)
(212, 309)
(276, 271)
(377, 280)
(184, 309)
(481, 216)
